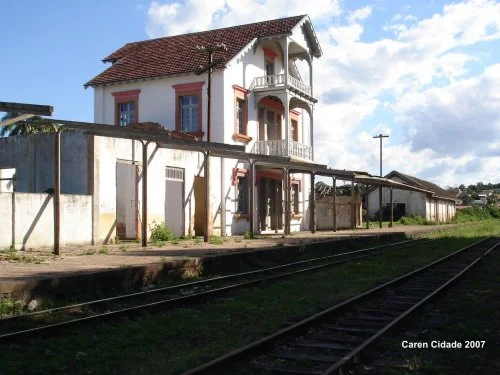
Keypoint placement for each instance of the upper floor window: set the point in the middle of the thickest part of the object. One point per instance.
(189, 113)
(188, 109)
(126, 107)
(294, 128)
(269, 67)
(126, 113)
(269, 56)
(240, 108)
(240, 114)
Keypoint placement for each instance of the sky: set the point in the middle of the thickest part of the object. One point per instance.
(426, 73)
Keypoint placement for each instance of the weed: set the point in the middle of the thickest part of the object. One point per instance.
(197, 240)
(214, 240)
(10, 306)
(89, 252)
(104, 250)
(160, 232)
(123, 248)
(117, 240)
(249, 235)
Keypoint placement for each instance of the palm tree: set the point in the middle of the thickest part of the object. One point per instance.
(24, 127)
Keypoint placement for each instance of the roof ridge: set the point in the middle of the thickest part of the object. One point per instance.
(144, 41)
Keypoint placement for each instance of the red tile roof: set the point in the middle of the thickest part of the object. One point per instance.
(178, 54)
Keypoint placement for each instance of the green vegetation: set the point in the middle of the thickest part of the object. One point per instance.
(10, 306)
(104, 250)
(249, 235)
(175, 340)
(416, 220)
(160, 232)
(11, 255)
(476, 213)
(215, 240)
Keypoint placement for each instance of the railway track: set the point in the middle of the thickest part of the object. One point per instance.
(330, 341)
(53, 320)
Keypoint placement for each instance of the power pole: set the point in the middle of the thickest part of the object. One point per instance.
(209, 67)
(380, 136)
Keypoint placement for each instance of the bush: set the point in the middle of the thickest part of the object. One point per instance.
(476, 213)
(160, 232)
(416, 220)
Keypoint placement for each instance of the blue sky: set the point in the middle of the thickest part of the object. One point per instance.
(426, 72)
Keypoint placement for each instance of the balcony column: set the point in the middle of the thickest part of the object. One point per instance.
(311, 75)
(284, 43)
(311, 130)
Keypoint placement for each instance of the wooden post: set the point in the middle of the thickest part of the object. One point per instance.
(251, 209)
(57, 193)
(222, 198)
(380, 206)
(353, 207)
(392, 210)
(312, 205)
(334, 204)
(286, 186)
(206, 172)
(144, 228)
(367, 208)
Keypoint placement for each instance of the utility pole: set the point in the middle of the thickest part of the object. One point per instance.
(209, 68)
(380, 136)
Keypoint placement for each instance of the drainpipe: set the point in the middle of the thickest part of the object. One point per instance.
(367, 209)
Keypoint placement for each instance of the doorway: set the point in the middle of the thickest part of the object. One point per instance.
(270, 204)
(127, 210)
(174, 200)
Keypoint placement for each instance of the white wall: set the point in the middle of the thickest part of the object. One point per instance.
(33, 219)
(33, 158)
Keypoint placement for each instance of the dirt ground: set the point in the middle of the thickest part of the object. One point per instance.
(41, 263)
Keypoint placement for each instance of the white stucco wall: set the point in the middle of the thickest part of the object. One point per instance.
(30, 219)
(416, 204)
(33, 158)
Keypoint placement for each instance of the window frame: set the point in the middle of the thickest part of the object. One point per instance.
(129, 96)
(295, 212)
(189, 89)
(241, 95)
(238, 175)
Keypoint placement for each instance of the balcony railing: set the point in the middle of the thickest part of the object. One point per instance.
(278, 148)
(278, 80)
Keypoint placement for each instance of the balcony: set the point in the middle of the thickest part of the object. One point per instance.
(277, 81)
(278, 148)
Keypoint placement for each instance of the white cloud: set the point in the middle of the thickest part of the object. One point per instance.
(421, 70)
(175, 18)
(359, 14)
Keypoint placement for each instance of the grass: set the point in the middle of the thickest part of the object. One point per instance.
(173, 341)
(11, 255)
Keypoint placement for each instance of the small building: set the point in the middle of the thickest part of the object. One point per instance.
(434, 203)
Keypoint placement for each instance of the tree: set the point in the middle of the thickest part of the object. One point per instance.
(25, 127)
